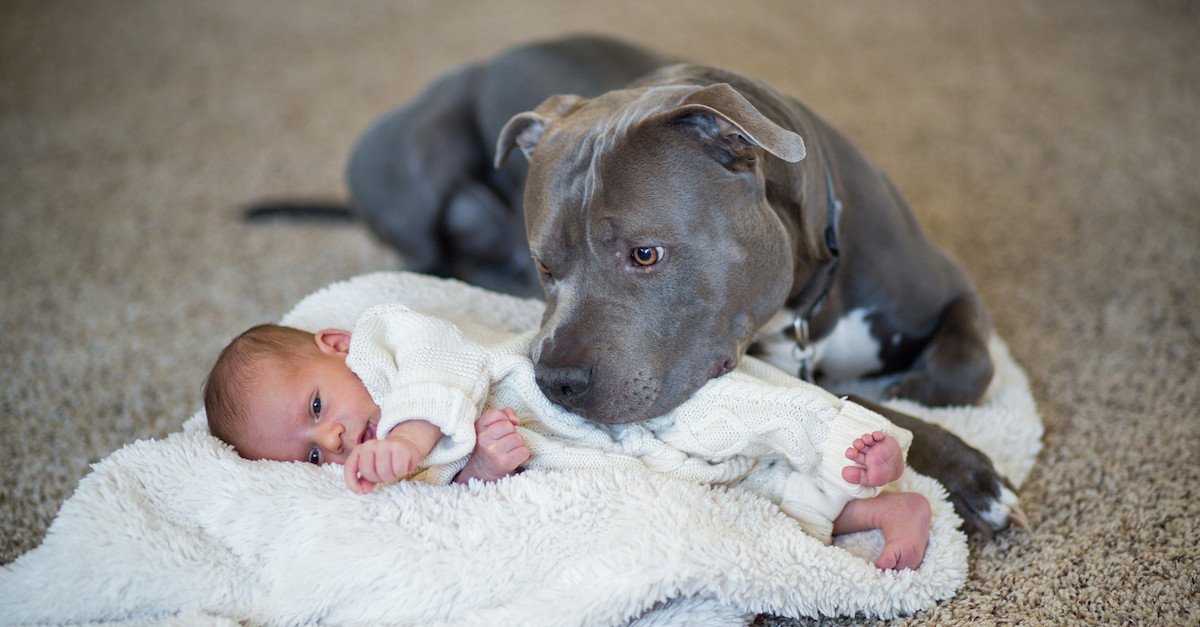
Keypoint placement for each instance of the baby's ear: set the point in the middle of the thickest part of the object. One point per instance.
(333, 341)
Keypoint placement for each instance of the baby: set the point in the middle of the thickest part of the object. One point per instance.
(407, 393)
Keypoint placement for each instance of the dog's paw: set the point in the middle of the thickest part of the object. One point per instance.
(985, 500)
(987, 504)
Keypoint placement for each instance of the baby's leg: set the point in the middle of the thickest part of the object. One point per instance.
(904, 519)
(879, 458)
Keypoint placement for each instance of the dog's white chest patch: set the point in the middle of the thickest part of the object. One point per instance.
(849, 351)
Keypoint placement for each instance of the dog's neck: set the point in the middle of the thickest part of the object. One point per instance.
(809, 298)
(801, 307)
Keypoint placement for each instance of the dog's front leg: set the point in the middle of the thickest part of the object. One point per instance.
(956, 366)
(984, 499)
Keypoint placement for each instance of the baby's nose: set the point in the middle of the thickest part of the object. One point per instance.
(331, 437)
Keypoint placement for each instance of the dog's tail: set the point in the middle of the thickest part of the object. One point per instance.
(302, 210)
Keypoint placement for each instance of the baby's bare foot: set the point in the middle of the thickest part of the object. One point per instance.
(879, 460)
(905, 527)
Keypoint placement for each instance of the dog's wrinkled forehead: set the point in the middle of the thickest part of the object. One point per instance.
(579, 140)
(614, 112)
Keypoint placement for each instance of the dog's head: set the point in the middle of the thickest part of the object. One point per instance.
(647, 217)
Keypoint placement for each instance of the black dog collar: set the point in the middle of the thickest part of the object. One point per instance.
(817, 288)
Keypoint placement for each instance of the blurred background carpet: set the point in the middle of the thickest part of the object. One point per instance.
(1053, 148)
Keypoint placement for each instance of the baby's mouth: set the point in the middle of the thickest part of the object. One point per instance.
(368, 432)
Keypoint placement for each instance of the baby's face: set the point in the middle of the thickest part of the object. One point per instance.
(316, 412)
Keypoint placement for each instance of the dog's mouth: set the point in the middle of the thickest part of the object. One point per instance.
(644, 397)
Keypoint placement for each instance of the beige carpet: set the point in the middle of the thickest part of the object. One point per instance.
(1052, 147)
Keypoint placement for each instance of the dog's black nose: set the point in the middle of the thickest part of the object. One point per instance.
(566, 386)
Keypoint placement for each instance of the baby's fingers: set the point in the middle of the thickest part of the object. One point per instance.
(496, 431)
(519, 454)
(489, 419)
(350, 474)
(511, 442)
(399, 464)
(399, 467)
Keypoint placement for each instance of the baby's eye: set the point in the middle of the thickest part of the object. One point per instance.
(314, 457)
(316, 408)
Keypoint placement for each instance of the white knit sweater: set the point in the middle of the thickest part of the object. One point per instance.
(755, 426)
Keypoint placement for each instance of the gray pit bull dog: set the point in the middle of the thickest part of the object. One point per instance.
(677, 217)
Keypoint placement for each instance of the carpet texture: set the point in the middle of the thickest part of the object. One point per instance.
(1051, 148)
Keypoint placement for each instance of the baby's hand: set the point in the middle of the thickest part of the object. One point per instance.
(499, 449)
(380, 461)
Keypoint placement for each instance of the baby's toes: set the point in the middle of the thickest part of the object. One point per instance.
(853, 474)
(903, 556)
(888, 559)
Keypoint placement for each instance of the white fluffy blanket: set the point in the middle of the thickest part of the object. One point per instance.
(181, 529)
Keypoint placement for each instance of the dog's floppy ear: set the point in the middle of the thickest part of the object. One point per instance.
(525, 130)
(719, 113)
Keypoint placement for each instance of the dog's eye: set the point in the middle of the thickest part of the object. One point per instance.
(646, 256)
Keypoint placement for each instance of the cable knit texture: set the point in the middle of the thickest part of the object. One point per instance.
(736, 427)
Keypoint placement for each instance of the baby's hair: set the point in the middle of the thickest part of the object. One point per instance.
(225, 390)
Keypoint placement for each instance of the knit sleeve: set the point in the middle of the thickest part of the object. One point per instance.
(418, 367)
